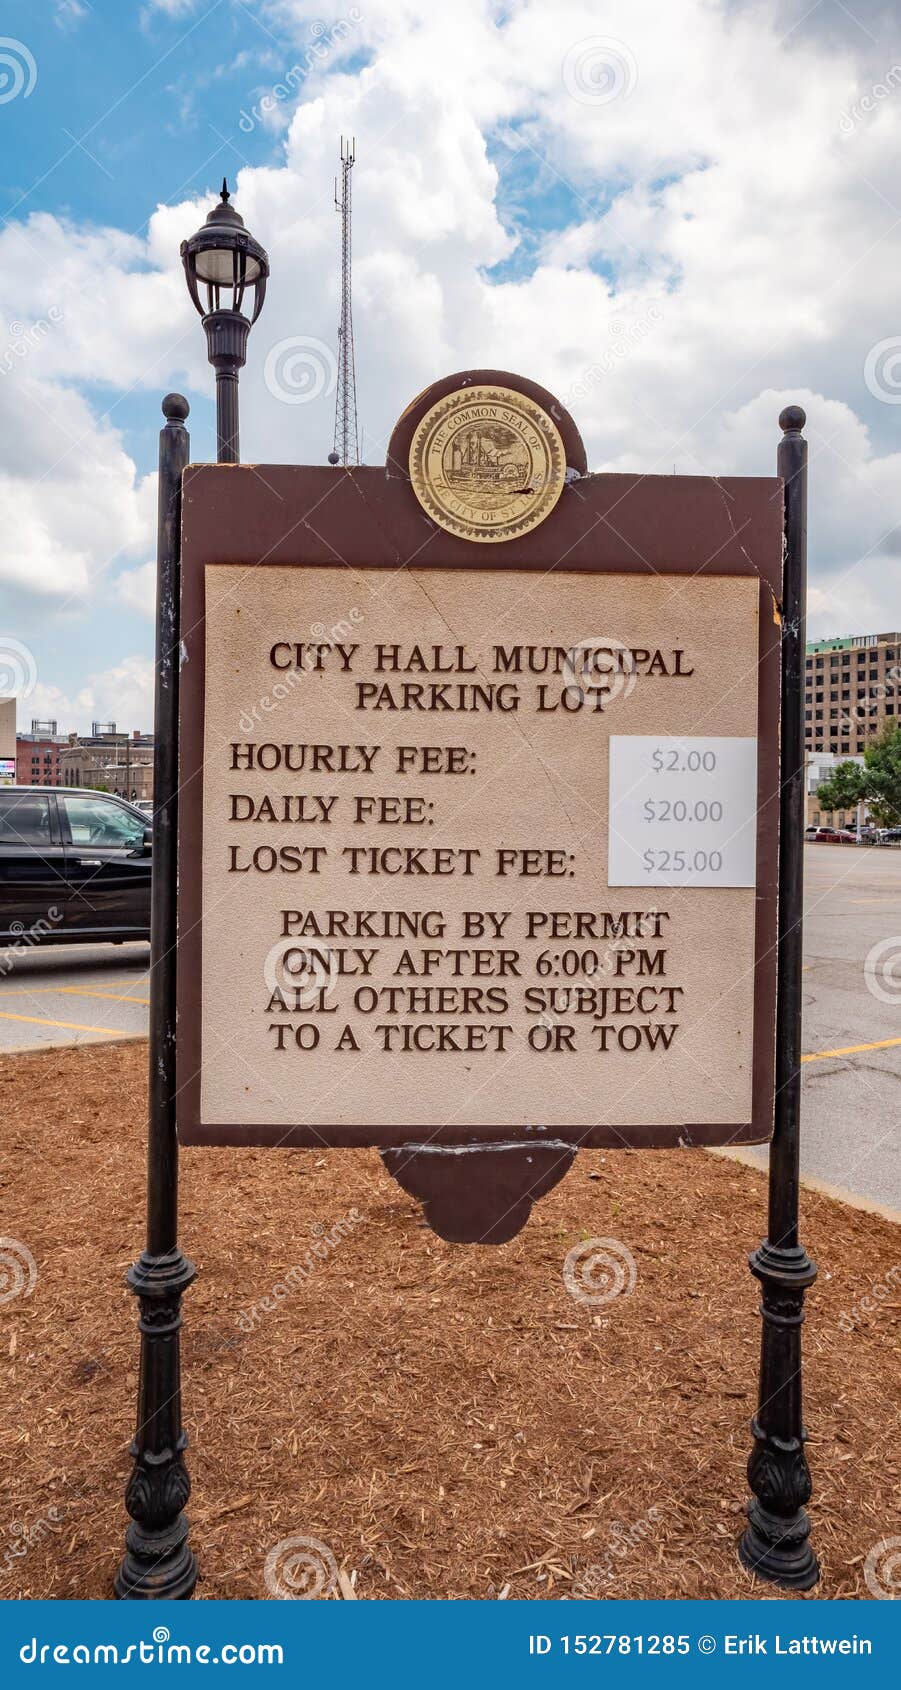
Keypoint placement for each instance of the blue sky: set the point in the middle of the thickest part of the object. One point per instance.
(133, 103)
(676, 216)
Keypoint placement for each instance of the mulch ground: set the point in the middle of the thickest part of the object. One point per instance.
(448, 1421)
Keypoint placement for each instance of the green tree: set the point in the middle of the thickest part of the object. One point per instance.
(878, 782)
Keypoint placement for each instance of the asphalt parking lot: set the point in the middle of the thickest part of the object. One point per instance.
(60, 995)
(851, 1114)
(72, 994)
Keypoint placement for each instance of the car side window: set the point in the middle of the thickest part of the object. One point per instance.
(97, 823)
(24, 819)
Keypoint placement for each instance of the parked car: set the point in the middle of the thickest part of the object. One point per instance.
(830, 836)
(890, 836)
(74, 867)
(145, 805)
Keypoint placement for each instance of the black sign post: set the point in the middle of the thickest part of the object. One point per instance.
(776, 1544)
(158, 1562)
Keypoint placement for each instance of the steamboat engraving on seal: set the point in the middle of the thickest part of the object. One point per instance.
(487, 463)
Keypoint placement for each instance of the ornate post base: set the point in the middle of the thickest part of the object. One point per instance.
(158, 1563)
(775, 1543)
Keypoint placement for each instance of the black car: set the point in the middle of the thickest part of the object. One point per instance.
(74, 867)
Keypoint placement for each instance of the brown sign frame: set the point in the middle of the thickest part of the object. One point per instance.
(624, 524)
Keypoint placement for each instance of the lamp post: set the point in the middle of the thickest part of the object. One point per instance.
(225, 261)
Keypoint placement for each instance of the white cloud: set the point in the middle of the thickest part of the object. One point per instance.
(71, 497)
(171, 8)
(137, 589)
(122, 694)
(715, 245)
(69, 13)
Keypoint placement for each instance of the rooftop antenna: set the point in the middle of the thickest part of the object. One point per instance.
(346, 448)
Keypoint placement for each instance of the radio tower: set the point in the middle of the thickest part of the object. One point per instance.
(346, 449)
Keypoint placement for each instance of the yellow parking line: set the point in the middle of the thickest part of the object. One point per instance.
(76, 991)
(112, 997)
(71, 1026)
(850, 1050)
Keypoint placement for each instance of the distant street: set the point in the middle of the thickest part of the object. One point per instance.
(63, 995)
(851, 1116)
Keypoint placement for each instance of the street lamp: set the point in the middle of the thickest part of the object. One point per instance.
(224, 259)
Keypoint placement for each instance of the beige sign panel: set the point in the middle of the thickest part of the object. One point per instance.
(407, 808)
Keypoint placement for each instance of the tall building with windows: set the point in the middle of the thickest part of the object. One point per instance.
(37, 755)
(852, 689)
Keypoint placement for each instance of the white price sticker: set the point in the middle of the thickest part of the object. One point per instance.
(683, 811)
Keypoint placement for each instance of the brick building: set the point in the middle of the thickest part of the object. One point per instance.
(109, 761)
(37, 755)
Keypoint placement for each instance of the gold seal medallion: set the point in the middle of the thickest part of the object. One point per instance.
(487, 463)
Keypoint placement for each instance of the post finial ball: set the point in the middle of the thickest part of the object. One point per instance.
(175, 407)
(792, 419)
